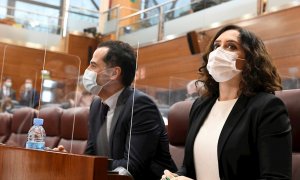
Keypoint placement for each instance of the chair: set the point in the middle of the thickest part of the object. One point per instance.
(5, 126)
(21, 123)
(178, 118)
(291, 99)
(51, 116)
(77, 118)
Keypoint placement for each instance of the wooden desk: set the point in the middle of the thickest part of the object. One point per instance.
(25, 164)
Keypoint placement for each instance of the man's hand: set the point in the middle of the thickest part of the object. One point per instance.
(60, 148)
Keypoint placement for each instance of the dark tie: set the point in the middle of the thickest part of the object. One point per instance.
(102, 140)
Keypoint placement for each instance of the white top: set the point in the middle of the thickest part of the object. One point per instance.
(111, 102)
(206, 141)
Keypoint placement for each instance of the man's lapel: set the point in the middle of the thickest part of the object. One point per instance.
(119, 109)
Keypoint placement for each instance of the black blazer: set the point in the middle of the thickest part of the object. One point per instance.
(255, 142)
(12, 94)
(149, 147)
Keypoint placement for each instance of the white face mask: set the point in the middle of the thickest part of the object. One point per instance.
(28, 86)
(8, 84)
(89, 81)
(221, 65)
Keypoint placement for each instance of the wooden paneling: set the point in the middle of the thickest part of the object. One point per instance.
(165, 50)
(276, 24)
(289, 66)
(159, 62)
(82, 46)
(268, 26)
(20, 63)
(26, 164)
(158, 74)
(284, 46)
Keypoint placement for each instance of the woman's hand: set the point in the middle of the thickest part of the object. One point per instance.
(169, 175)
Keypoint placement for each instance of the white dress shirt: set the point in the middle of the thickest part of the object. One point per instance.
(111, 102)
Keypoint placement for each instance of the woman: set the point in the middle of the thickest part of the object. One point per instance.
(240, 129)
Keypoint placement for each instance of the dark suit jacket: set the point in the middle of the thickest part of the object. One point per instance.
(31, 98)
(149, 146)
(255, 142)
(12, 94)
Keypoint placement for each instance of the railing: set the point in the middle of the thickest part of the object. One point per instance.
(112, 17)
(153, 16)
(78, 19)
(31, 23)
(157, 17)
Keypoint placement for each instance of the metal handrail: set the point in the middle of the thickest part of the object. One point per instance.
(85, 9)
(142, 20)
(30, 12)
(145, 10)
(59, 27)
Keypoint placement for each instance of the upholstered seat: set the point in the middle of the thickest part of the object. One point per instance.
(51, 116)
(21, 122)
(74, 129)
(178, 117)
(5, 126)
(291, 99)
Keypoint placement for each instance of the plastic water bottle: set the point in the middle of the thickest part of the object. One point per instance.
(36, 135)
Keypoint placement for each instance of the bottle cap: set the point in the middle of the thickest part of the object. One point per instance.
(38, 121)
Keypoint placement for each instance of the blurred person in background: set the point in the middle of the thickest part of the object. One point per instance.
(7, 90)
(194, 89)
(29, 96)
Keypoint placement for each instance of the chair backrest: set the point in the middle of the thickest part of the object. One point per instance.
(78, 139)
(5, 126)
(178, 120)
(52, 117)
(20, 125)
(291, 99)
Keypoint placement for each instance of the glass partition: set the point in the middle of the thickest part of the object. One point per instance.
(59, 78)
(291, 80)
(179, 89)
(20, 65)
(33, 80)
(159, 95)
(52, 76)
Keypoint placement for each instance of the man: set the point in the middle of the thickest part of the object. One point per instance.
(28, 95)
(133, 123)
(194, 89)
(7, 90)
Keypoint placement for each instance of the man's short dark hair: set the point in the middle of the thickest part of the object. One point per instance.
(123, 55)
